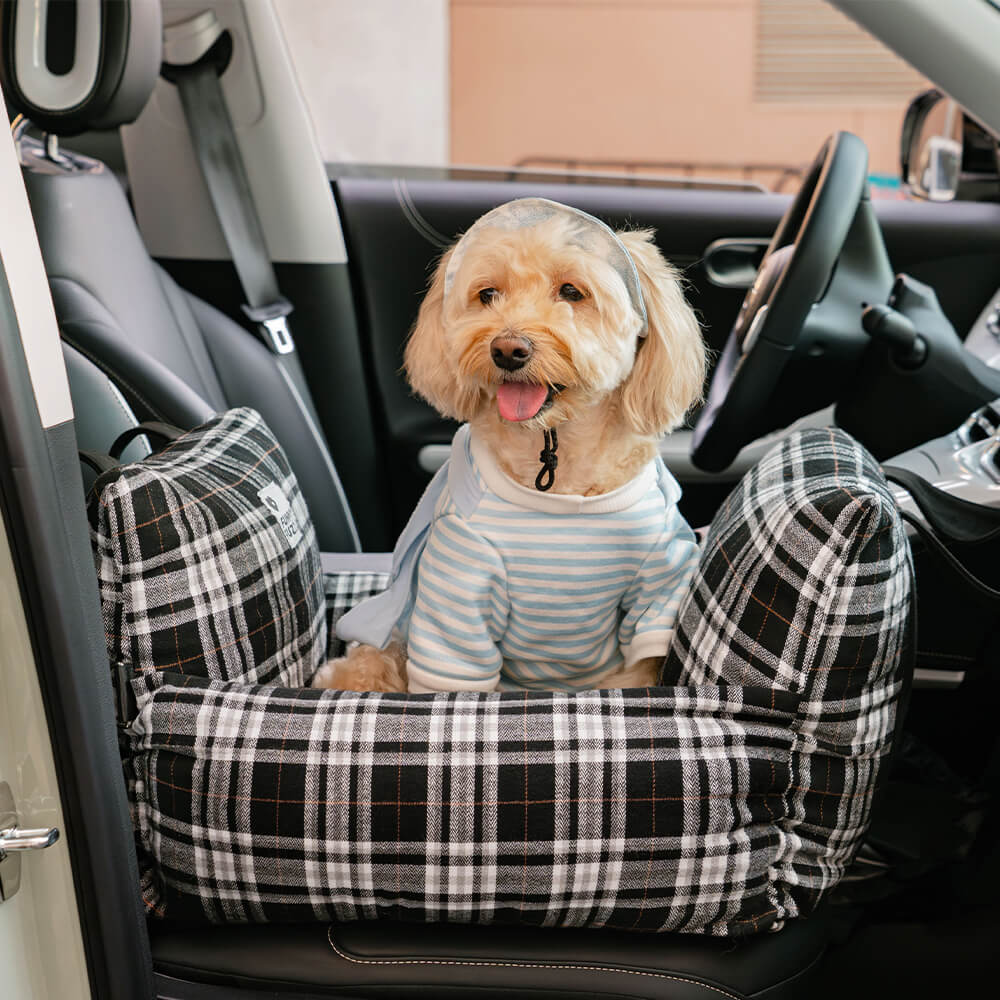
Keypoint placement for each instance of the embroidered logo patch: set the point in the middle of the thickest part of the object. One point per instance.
(277, 502)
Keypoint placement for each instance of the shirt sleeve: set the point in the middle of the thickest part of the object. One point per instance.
(459, 614)
(655, 595)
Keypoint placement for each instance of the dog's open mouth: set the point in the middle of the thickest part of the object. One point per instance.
(524, 400)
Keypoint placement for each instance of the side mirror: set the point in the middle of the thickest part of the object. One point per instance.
(944, 153)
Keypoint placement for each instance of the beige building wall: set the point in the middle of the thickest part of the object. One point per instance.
(637, 80)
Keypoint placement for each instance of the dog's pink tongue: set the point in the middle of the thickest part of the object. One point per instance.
(520, 400)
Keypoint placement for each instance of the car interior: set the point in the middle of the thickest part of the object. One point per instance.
(151, 315)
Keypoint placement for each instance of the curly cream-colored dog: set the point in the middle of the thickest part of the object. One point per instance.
(549, 552)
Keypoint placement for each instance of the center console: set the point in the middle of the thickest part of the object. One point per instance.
(965, 464)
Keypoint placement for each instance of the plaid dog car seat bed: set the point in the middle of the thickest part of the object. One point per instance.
(724, 802)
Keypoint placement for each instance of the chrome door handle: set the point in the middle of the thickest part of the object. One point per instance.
(14, 841)
(733, 263)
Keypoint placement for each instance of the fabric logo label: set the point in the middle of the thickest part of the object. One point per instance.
(278, 504)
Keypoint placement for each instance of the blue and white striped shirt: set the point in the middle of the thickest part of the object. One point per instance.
(521, 589)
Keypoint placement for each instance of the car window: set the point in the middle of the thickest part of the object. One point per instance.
(726, 90)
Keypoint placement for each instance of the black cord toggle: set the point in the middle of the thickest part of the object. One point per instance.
(549, 462)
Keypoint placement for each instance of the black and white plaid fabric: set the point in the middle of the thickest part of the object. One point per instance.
(723, 803)
(643, 810)
(207, 561)
(805, 586)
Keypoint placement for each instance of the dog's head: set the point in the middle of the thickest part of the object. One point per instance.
(538, 320)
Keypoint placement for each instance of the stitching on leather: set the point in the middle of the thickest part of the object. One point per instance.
(116, 395)
(130, 417)
(112, 374)
(476, 963)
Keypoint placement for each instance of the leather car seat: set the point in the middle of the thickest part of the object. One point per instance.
(138, 346)
(170, 355)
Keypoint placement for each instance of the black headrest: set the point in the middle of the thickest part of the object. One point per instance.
(75, 65)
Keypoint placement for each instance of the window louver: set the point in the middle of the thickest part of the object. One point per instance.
(808, 52)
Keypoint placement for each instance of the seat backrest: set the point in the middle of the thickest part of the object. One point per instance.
(170, 355)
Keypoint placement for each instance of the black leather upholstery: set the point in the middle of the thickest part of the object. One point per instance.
(251, 375)
(101, 274)
(127, 65)
(101, 411)
(391, 959)
(174, 357)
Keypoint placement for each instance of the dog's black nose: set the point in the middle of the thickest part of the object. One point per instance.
(510, 352)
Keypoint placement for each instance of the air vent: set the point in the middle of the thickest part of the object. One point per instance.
(808, 52)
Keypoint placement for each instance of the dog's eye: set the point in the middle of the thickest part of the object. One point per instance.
(570, 293)
(487, 295)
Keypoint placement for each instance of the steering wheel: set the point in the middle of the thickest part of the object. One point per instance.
(793, 275)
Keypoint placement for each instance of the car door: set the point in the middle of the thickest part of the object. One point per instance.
(37, 901)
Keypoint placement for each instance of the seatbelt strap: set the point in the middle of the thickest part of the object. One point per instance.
(101, 462)
(165, 433)
(218, 153)
(222, 166)
(98, 461)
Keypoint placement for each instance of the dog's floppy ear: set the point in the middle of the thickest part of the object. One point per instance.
(428, 361)
(669, 369)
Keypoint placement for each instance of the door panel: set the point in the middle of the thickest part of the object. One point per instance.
(395, 230)
(43, 909)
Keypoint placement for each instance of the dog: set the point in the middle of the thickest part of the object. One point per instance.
(552, 567)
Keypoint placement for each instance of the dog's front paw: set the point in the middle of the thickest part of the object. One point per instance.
(365, 669)
(326, 676)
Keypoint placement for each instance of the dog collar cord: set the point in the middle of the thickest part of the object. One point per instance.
(549, 462)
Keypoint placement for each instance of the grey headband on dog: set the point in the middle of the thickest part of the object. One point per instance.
(589, 234)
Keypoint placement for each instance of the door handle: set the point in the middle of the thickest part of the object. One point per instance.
(733, 263)
(14, 842)
(16, 839)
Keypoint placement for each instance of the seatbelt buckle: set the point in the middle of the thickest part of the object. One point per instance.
(272, 325)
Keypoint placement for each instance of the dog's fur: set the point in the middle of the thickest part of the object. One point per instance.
(621, 393)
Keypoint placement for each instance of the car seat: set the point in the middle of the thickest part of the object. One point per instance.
(164, 354)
